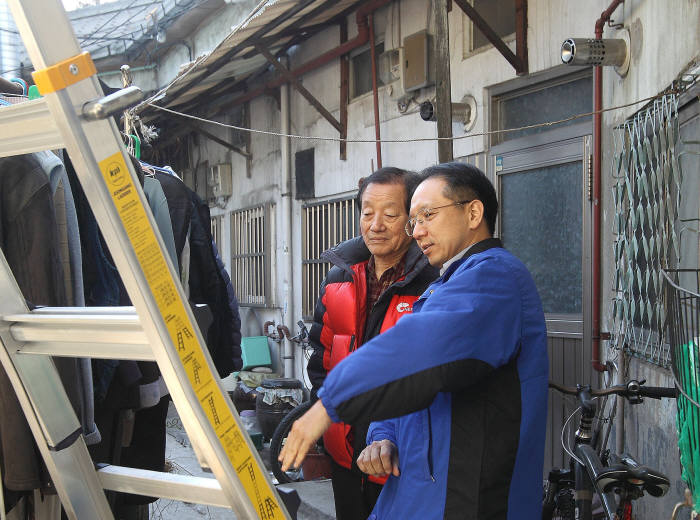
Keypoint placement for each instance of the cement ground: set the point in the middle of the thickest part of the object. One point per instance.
(316, 496)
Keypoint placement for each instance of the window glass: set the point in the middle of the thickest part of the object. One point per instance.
(499, 14)
(361, 65)
(545, 104)
(541, 222)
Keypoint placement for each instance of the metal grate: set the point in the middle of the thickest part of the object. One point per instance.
(683, 300)
(250, 254)
(646, 195)
(215, 226)
(325, 224)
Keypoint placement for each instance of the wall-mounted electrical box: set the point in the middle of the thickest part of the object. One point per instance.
(220, 180)
(415, 65)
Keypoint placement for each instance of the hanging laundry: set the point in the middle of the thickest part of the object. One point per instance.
(208, 281)
(28, 240)
(130, 402)
(71, 261)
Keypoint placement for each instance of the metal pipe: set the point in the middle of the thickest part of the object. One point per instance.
(375, 93)
(288, 310)
(358, 41)
(597, 158)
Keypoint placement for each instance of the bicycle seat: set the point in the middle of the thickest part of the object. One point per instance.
(625, 471)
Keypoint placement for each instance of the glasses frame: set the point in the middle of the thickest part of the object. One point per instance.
(411, 222)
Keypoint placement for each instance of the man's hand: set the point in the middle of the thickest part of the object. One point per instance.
(379, 458)
(304, 433)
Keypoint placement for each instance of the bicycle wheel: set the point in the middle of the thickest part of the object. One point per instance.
(278, 440)
(560, 507)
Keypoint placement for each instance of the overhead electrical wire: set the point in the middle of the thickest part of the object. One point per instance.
(409, 140)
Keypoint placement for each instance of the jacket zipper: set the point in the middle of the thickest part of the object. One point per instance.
(430, 446)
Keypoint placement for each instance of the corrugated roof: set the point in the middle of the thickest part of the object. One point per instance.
(275, 23)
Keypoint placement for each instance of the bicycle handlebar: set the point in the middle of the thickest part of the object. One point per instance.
(632, 390)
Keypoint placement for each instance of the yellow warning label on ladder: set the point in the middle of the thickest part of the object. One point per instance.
(181, 331)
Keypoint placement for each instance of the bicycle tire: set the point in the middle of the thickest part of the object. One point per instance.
(277, 442)
(560, 507)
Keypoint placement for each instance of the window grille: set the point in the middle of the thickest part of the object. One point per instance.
(325, 224)
(646, 194)
(215, 226)
(251, 232)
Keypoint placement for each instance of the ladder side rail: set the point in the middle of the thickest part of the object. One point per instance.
(98, 154)
(49, 414)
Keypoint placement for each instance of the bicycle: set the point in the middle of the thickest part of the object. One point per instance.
(282, 431)
(617, 480)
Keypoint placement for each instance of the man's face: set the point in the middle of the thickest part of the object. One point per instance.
(382, 220)
(446, 231)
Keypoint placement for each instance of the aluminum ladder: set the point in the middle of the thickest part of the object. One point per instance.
(161, 327)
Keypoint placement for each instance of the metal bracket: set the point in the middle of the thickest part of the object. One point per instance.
(287, 75)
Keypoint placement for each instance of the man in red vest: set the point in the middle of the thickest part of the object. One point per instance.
(374, 281)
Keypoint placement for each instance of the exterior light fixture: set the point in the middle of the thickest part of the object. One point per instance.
(597, 53)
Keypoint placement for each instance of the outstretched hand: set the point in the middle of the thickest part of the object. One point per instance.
(379, 459)
(304, 433)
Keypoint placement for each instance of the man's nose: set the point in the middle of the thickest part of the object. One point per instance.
(377, 222)
(418, 229)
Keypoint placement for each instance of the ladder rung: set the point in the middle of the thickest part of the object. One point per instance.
(187, 488)
(28, 127)
(81, 332)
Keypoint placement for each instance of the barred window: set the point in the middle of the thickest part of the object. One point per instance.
(215, 226)
(251, 232)
(324, 224)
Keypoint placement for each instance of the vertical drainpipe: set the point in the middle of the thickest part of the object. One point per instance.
(288, 311)
(373, 57)
(596, 256)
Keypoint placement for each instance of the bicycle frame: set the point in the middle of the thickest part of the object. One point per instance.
(591, 472)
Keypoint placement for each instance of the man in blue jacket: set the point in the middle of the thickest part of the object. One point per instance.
(458, 388)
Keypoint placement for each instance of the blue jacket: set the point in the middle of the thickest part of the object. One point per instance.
(460, 386)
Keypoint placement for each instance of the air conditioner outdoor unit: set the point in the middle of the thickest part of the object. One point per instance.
(220, 180)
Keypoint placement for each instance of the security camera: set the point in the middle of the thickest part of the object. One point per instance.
(427, 111)
(594, 52)
(460, 112)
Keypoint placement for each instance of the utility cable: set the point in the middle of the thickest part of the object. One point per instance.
(411, 140)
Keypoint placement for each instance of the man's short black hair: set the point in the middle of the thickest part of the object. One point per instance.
(391, 175)
(467, 182)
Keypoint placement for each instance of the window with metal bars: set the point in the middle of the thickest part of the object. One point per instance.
(325, 224)
(215, 226)
(251, 232)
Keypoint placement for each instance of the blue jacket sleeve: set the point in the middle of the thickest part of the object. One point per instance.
(465, 328)
(382, 430)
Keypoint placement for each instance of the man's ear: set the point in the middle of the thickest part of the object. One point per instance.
(475, 213)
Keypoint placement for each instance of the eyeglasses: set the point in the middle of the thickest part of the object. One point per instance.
(426, 215)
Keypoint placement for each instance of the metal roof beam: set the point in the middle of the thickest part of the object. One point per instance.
(517, 61)
(295, 27)
(226, 58)
(286, 74)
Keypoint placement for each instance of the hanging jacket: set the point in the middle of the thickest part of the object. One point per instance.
(204, 273)
(207, 285)
(28, 240)
(460, 387)
(342, 324)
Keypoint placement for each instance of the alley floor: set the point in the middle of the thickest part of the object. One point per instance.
(316, 496)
